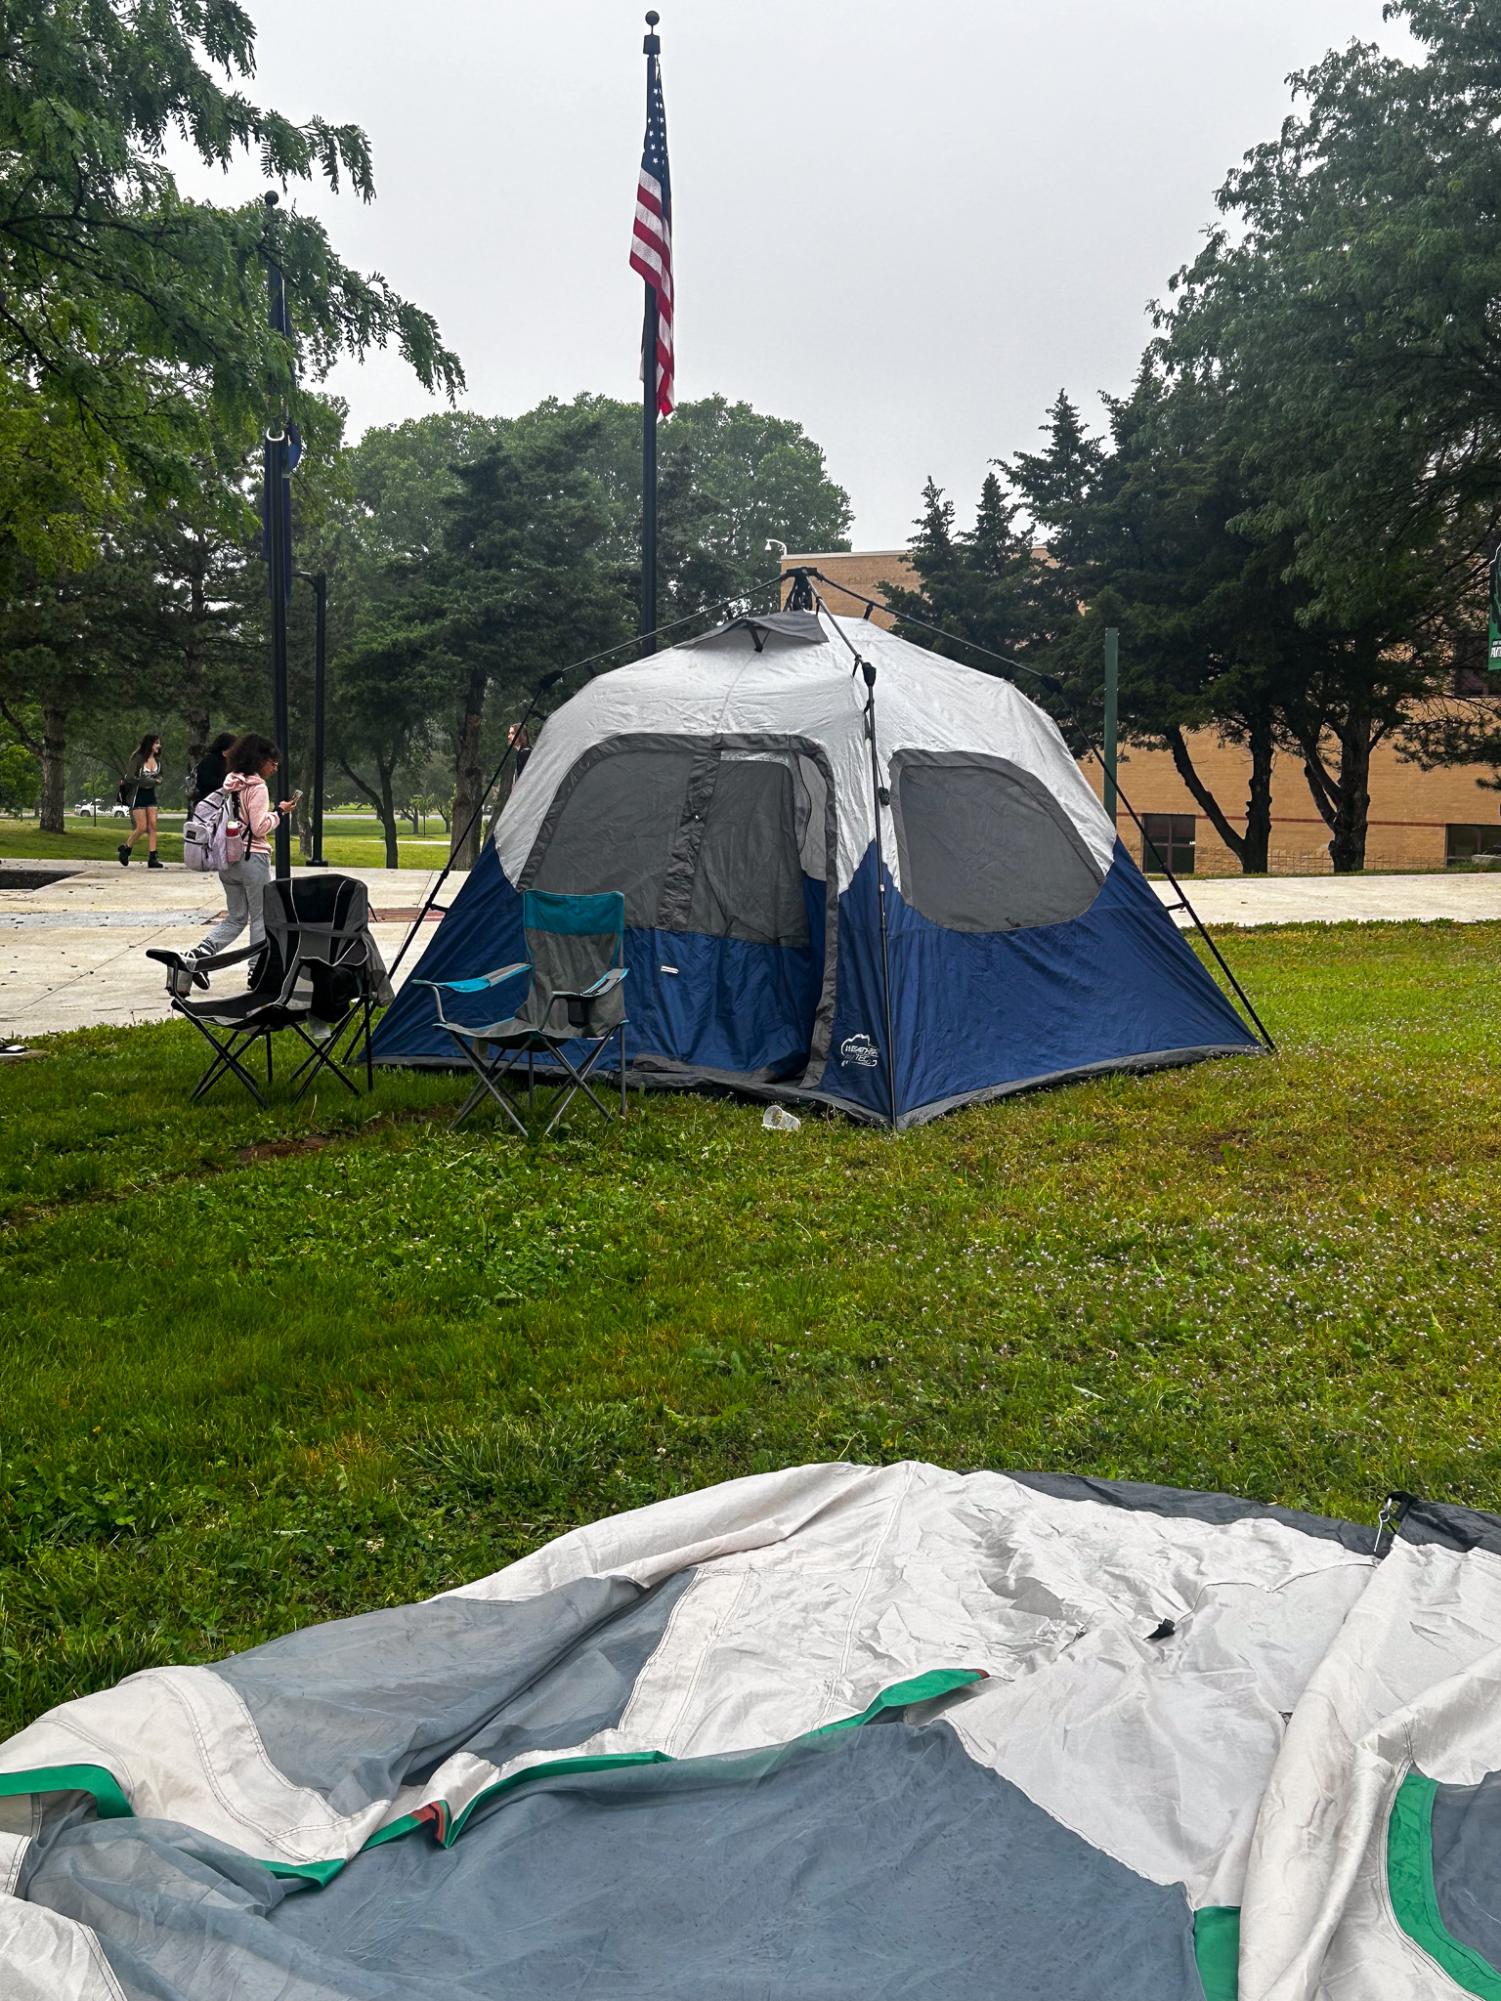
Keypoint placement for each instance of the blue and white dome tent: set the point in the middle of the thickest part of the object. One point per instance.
(855, 874)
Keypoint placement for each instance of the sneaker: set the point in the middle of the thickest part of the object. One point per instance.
(154, 860)
(124, 853)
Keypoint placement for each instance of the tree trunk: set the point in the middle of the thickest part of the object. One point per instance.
(385, 810)
(467, 800)
(54, 757)
(198, 735)
(1257, 848)
(388, 816)
(1184, 764)
(1347, 845)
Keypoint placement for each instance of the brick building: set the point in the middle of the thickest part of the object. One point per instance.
(1418, 819)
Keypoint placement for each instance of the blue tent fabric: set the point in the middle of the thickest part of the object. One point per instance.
(974, 1014)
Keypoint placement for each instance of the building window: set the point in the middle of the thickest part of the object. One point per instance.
(1472, 844)
(1168, 837)
(1471, 674)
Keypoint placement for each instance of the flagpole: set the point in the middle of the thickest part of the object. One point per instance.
(651, 48)
(277, 553)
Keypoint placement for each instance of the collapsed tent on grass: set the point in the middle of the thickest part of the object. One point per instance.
(854, 873)
(837, 1731)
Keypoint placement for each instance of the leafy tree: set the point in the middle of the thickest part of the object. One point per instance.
(729, 481)
(1345, 317)
(20, 775)
(61, 643)
(988, 586)
(1212, 633)
(479, 553)
(116, 291)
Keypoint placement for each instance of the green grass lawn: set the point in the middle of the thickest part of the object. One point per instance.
(265, 1368)
(350, 841)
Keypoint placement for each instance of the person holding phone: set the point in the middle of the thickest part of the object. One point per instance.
(142, 776)
(251, 763)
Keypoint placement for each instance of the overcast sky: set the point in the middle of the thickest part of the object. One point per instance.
(906, 226)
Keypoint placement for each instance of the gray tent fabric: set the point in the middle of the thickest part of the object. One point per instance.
(1362, 1537)
(984, 846)
(379, 1701)
(824, 1732)
(1466, 1858)
(627, 806)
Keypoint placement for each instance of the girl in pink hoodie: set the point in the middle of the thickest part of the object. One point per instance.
(250, 766)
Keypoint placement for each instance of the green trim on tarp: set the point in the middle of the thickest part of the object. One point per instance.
(1414, 1895)
(1217, 1951)
(901, 1695)
(112, 1803)
(97, 1781)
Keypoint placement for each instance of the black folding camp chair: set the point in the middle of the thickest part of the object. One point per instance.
(566, 993)
(317, 974)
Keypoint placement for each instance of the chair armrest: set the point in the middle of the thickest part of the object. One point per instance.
(223, 959)
(183, 974)
(605, 984)
(579, 1001)
(481, 982)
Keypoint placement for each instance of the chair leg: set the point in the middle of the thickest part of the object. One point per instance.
(321, 1057)
(622, 1071)
(369, 1059)
(226, 1057)
(488, 1076)
(531, 1083)
(268, 1061)
(568, 1092)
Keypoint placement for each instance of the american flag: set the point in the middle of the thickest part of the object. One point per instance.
(651, 240)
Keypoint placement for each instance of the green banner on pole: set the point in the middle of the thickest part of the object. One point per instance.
(1493, 651)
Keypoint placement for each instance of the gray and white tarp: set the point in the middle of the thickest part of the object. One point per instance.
(836, 1731)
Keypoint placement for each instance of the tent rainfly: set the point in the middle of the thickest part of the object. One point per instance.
(834, 1731)
(854, 873)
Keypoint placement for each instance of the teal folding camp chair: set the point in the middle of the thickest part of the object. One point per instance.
(565, 993)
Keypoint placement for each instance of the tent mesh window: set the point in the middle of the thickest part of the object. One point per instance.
(695, 837)
(984, 846)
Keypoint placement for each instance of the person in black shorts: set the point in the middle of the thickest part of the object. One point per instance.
(143, 774)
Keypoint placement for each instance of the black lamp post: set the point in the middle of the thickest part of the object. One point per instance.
(319, 582)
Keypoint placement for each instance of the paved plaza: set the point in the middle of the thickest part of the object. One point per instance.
(72, 951)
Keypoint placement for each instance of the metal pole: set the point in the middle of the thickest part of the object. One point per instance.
(278, 556)
(651, 47)
(649, 476)
(879, 797)
(320, 689)
(276, 482)
(1112, 706)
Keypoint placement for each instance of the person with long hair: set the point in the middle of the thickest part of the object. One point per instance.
(143, 774)
(251, 765)
(210, 770)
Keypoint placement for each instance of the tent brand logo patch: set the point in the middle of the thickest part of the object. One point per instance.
(859, 1051)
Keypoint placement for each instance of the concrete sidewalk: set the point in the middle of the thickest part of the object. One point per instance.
(72, 952)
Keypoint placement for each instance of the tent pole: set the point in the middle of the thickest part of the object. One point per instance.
(455, 846)
(879, 797)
